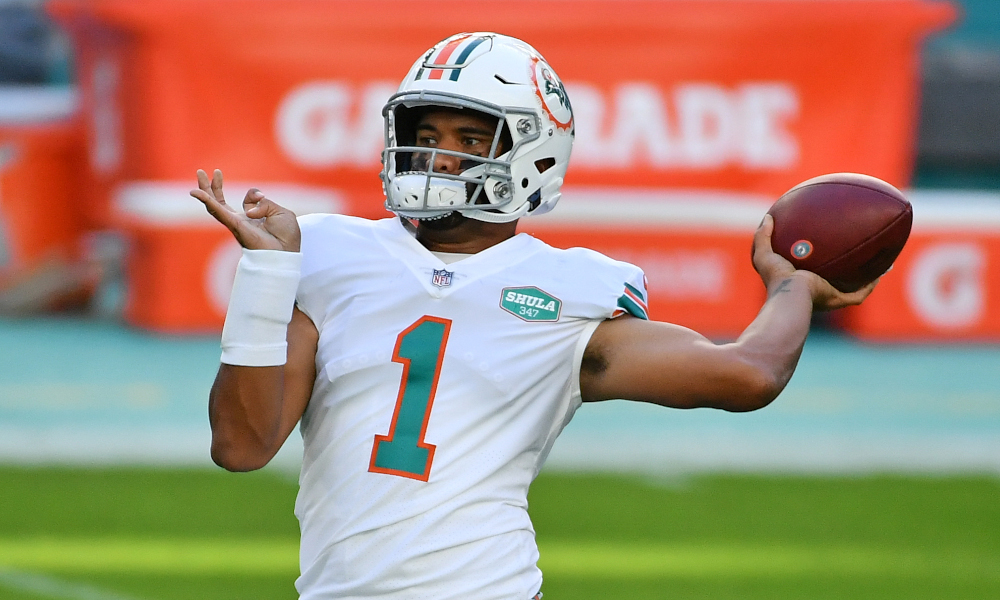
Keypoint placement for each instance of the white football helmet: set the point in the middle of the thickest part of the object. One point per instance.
(495, 75)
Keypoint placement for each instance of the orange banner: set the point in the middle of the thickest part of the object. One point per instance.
(711, 94)
(742, 99)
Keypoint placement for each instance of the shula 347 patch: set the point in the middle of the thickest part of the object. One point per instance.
(530, 303)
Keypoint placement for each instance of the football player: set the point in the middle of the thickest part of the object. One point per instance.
(433, 358)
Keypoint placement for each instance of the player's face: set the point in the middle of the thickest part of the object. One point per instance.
(449, 129)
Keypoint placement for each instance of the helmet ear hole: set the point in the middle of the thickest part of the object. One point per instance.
(524, 182)
(544, 164)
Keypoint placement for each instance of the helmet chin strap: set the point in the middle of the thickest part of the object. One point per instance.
(479, 215)
(496, 217)
(434, 217)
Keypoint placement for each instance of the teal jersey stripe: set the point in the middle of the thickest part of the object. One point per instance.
(632, 308)
(636, 291)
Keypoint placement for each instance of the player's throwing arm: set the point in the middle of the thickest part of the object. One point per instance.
(268, 346)
(673, 366)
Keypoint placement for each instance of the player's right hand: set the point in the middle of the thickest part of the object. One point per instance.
(261, 225)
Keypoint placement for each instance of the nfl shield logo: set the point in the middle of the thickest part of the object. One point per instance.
(442, 278)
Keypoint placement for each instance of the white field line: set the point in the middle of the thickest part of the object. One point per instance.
(50, 587)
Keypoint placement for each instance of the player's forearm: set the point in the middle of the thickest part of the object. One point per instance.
(773, 342)
(245, 404)
(245, 407)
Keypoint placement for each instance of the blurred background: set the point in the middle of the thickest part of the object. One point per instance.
(693, 116)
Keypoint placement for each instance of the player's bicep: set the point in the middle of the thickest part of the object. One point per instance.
(665, 364)
(300, 369)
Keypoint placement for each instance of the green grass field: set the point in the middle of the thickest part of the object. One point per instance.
(164, 534)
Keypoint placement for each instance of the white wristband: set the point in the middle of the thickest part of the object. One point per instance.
(260, 308)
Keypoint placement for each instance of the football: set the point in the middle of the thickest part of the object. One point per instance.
(847, 228)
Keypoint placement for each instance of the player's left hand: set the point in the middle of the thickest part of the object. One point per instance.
(773, 269)
(262, 225)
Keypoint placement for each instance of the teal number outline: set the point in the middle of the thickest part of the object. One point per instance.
(403, 451)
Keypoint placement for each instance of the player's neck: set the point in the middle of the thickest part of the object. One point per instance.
(467, 236)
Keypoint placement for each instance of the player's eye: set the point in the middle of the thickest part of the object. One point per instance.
(475, 146)
(426, 140)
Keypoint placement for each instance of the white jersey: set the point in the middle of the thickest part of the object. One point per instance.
(439, 392)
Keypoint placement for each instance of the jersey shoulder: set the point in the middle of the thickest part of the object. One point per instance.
(331, 238)
(597, 282)
(326, 224)
(338, 254)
